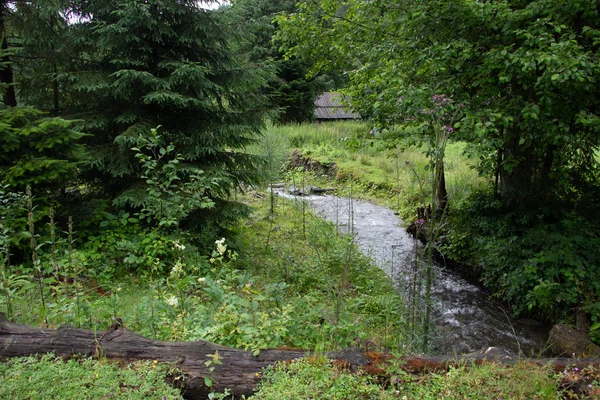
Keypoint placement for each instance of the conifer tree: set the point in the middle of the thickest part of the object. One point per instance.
(166, 64)
(291, 90)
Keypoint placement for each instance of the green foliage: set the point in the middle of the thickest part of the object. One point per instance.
(389, 166)
(487, 381)
(290, 90)
(33, 377)
(525, 72)
(172, 67)
(173, 192)
(543, 267)
(38, 151)
(123, 247)
(46, 47)
(12, 204)
(316, 378)
(322, 379)
(125, 67)
(317, 291)
(341, 297)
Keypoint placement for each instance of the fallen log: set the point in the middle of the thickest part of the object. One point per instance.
(318, 190)
(240, 370)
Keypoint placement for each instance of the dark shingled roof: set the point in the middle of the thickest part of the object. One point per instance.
(328, 106)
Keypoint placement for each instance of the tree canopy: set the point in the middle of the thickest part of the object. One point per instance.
(525, 72)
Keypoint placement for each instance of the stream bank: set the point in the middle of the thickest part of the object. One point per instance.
(466, 319)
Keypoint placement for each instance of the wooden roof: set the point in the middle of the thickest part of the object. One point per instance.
(328, 107)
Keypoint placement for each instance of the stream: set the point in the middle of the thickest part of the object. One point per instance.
(466, 319)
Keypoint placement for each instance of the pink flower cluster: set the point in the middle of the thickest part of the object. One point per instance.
(440, 100)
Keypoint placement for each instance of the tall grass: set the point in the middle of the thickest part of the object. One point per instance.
(390, 170)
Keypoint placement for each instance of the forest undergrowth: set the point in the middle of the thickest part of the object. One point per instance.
(282, 278)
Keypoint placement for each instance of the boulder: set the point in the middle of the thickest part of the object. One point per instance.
(567, 341)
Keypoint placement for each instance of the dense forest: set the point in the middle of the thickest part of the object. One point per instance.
(137, 138)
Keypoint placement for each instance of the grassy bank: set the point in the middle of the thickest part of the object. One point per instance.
(385, 167)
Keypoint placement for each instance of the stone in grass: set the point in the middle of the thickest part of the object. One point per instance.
(566, 341)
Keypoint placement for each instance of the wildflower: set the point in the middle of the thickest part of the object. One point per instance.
(221, 246)
(201, 280)
(173, 301)
(178, 246)
(420, 221)
(177, 268)
(576, 369)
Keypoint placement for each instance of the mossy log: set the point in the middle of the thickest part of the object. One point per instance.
(239, 372)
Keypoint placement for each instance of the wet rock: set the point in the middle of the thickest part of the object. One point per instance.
(566, 341)
(296, 191)
(318, 190)
(493, 354)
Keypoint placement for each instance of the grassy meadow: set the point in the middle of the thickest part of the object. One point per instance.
(281, 278)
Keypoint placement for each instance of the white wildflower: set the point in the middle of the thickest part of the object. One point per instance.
(178, 246)
(177, 268)
(221, 246)
(201, 280)
(172, 300)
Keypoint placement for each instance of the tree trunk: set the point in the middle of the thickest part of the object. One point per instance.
(6, 73)
(240, 371)
(441, 192)
(516, 172)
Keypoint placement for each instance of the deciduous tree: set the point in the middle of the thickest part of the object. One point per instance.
(526, 72)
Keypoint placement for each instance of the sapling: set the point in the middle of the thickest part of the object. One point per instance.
(35, 261)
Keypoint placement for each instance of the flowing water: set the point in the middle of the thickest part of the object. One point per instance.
(466, 319)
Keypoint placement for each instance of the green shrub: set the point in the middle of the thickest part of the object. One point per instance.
(541, 265)
(487, 381)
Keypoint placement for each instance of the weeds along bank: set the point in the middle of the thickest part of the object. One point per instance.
(284, 279)
(292, 280)
(543, 259)
(383, 166)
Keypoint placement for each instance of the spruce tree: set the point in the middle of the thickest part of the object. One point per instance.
(166, 64)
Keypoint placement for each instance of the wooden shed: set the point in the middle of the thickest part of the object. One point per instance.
(329, 108)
